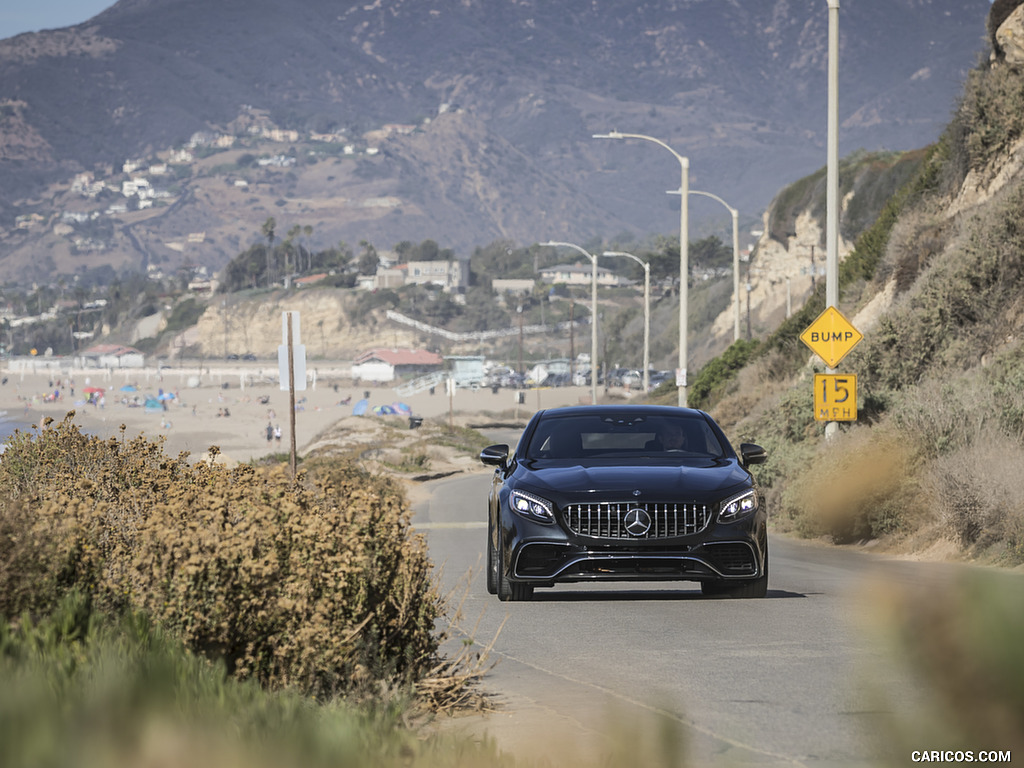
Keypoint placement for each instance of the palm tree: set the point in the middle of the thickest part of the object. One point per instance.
(268, 232)
(293, 233)
(308, 232)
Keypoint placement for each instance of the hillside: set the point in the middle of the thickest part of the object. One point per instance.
(464, 122)
(932, 463)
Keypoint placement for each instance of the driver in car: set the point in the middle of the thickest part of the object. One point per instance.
(669, 437)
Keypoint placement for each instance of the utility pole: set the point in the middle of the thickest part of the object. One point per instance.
(572, 340)
(519, 311)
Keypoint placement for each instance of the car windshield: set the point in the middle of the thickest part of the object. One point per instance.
(624, 436)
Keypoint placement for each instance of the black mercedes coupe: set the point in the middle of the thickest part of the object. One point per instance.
(625, 493)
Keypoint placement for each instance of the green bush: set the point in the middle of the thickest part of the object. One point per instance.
(317, 585)
(718, 372)
(990, 118)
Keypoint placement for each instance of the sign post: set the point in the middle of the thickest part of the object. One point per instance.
(291, 364)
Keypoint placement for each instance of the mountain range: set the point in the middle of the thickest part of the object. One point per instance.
(461, 121)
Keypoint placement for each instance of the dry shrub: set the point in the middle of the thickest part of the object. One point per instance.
(977, 494)
(946, 412)
(961, 636)
(754, 384)
(859, 486)
(317, 585)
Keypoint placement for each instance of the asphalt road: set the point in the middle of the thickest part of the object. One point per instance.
(798, 678)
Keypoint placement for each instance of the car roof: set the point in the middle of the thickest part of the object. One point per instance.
(598, 410)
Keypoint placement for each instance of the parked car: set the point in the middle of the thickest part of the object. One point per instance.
(625, 493)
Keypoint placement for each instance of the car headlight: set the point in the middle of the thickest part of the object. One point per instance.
(738, 507)
(532, 507)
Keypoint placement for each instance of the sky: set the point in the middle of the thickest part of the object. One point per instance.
(33, 15)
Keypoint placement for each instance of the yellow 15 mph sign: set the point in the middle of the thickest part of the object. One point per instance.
(835, 397)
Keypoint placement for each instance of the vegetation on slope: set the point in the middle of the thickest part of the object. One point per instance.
(932, 457)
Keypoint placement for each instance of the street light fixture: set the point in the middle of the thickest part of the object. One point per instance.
(684, 256)
(647, 312)
(593, 311)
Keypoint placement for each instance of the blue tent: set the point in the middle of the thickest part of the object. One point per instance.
(360, 408)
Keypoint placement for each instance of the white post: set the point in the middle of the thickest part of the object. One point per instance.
(832, 177)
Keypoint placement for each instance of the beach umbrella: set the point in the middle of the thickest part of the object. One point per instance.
(166, 396)
(128, 388)
(90, 390)
(401, 408)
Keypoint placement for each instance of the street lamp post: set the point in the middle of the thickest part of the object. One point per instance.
(684, 256)
(593, 312)
(832, 161)
(735, 259)
(832, 177)
(647, 312)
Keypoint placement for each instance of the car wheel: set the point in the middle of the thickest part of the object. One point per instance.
(510, 591)
(492, 561)
(740, 589)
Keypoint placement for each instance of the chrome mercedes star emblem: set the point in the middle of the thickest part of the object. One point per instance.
(638, 522)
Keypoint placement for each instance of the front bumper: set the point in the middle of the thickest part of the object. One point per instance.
(545, 555)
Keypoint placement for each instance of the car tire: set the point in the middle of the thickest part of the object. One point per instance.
(492, 561)
(510, 591)
(754, 588)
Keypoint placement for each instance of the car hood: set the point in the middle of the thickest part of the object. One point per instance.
(696, 480)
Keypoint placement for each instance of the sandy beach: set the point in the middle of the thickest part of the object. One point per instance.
(231, 408)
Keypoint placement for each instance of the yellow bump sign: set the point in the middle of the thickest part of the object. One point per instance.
(831, 336)
(835, 397)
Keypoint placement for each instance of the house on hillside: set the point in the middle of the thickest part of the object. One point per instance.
(391, 364)
(450, 274)
(580, 274)
(386, 277)
(110, 356)
(510, 285)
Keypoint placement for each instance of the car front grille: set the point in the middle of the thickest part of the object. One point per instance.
(616, 520)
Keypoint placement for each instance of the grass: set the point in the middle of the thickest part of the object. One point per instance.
(81, 691)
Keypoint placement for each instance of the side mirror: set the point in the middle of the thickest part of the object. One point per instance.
(495, 455)
(752, 454)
